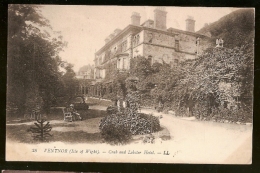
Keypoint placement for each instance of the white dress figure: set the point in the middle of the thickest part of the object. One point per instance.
(118, 105)
(124, 104)
(217, 43)
(221, 42)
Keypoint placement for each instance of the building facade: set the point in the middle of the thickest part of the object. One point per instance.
(151, 39)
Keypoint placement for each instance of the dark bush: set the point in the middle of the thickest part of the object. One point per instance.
(114, 132)
(223, 114)
(115, 128)
(112, 110)
(152, 123)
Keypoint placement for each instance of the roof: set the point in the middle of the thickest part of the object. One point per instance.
(149, 20)
(169, 31)
(118, 36)
(86, 68)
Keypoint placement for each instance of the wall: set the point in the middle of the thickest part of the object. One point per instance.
(141, 38)
(138, 51)
(159, 38)
(168, 55)
(187, 43)
(204, 44)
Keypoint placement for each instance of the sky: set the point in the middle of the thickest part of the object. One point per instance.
(86, 27)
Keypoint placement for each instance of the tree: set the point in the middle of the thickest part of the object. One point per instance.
(33, 60)
(70, 83)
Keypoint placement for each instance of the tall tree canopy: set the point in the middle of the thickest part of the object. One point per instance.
(33, 59)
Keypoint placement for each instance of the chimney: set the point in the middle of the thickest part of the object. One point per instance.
(135, 18)
(117, 31)
(107, 40)
(160, 18)
(111, 36)
(190, 24)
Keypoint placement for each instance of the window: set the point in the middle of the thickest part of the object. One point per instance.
(150, 59)
(124, 46)
(150, 37)
(177, 46)
(118, 63)
(136, 40)
(123, 67)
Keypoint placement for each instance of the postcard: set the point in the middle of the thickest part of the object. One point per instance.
(130, 84)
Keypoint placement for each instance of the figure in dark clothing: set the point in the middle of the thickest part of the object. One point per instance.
(74, 113)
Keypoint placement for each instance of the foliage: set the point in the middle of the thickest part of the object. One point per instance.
(127, 120)
(147, 124)
(112, 110)
(114, 131)
(138, 124)
(70, 83)
(149, 139)
(115, 82)
(33, 60)
(140, 67)
(215, 78)
(116, 134)
(41, 131)
(236, 28)
(196, 87)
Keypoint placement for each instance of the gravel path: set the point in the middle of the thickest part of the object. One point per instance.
(208, 142)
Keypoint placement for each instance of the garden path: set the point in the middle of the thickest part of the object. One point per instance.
(210, 141)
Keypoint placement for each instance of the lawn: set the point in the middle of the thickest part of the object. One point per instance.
(86, 131)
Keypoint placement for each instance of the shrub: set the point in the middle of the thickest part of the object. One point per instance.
(150, 123)
(113, 131)
(112, 110)
(118, 128)
(222, 114)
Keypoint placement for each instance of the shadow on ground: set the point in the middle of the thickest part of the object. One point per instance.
(21, 135)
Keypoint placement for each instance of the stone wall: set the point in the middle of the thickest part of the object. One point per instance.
(187, 43)
(138, 51)
(168, 55)
(159, 38)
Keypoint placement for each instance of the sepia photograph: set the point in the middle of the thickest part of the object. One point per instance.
(130, 84)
